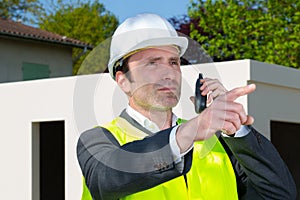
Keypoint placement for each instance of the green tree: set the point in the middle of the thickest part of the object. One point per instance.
(87, 22)
(19, 9)
(267, 31)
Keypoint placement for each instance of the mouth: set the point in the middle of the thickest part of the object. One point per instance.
(167, 89)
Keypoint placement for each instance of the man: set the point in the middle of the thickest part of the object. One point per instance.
(148, 153)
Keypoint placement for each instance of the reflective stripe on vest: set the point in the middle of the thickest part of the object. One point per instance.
(210, 177)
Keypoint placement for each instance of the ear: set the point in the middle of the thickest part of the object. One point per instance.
(123, 82)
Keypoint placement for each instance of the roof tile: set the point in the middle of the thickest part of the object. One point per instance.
(17, 29)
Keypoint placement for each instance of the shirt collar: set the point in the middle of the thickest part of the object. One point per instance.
(145, 122)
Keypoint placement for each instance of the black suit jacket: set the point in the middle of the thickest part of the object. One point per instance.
(112, 171)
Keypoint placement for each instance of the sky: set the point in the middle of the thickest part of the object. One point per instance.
(127, 8)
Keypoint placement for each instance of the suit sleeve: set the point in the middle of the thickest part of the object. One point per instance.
(267, 176)
(112, 171)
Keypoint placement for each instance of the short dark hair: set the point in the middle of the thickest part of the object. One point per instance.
(122, 65)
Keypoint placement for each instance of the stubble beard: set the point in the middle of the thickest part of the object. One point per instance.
(156, 100)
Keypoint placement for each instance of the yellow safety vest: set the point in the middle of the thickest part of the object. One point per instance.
(210, 177)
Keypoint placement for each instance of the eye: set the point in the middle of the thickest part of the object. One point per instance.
(152, 63)
(174, 62)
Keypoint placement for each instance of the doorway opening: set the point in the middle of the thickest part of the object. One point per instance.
(286, 136)
(48, 160)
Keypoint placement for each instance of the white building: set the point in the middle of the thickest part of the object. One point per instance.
(41, 121)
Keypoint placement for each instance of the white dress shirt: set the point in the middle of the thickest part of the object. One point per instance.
(152, 127)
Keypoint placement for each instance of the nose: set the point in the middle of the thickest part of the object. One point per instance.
(170, 72)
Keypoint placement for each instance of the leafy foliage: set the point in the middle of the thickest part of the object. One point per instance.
(268, 31)
(85, 21)
(19, 9)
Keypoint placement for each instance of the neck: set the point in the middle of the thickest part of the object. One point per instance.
(162, 118)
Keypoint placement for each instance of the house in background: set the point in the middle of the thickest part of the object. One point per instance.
(28, 53)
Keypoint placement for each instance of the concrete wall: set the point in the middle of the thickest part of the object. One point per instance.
(277, 96)
(23, 103)
(14, 52)
(86, 101)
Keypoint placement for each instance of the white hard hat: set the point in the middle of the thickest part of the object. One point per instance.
(142, 31)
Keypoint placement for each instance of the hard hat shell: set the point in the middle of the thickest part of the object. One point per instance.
(140, 32)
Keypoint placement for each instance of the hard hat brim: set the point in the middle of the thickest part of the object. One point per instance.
(181, 42)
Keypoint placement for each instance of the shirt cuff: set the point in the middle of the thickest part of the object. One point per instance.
(174, 146)
(243, 131)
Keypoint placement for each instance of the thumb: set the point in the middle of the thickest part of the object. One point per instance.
(249, 121)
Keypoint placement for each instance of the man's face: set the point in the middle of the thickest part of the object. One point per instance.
(155, 78)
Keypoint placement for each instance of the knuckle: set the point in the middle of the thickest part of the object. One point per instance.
(236, 117)
(240, 107)
(237, 125)
(229, 128)
(232, 117)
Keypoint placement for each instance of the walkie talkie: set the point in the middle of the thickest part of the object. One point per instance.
(200, 101)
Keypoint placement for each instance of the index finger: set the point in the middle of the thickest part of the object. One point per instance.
(240, 91)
